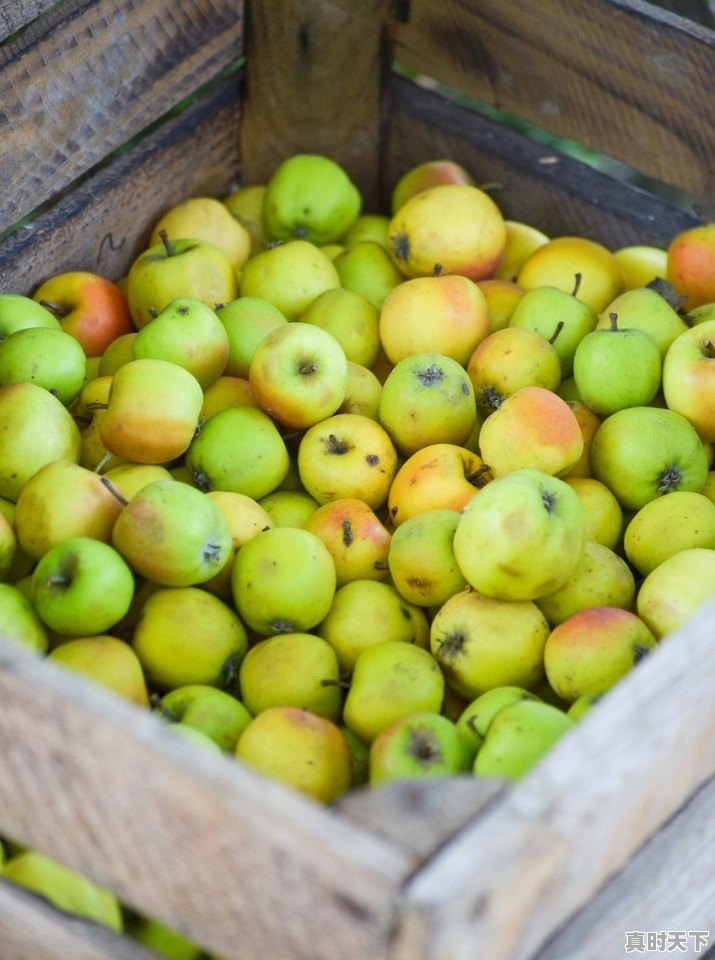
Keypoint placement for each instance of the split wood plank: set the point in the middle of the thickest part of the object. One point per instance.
(623, 77)
(315, 70)
(534, 183)
(510, 880)
(62, 110)
(199, 841)
(104, 224)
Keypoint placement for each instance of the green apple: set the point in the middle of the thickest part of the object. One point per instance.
(367, 268)
(467, 641)
(681, 521)
(19, 622)
(689, 377)
(298, 748)
(289, 276)
(362, 392)
(602, 512)
(368, 226)
(289, 508)
(357, 539)
(82, 587)
(188, 333)
(473, 722)
(68, 890)
(521, 537)
(702, 314)
(246, 321)
(676, 589)
(238, 450)
(509, 359)
(64, 500)
(283, 581)
(8, 546)
(426, 399)
(107, 661)
(601, 579)
(214, 712)
(645, 309)
(298, 374)
(416, 747)
(119, 352)
(617, 368)
(36, 429)
(391, 680)
(360, 754)
(292, 670)
(185, 636)
(173, 534)
(592, 649)
(310, 196)
(49, 358)
(193, 735)
(644, 452)
(544, 309)
(180, 268)
(421, 558)
(362, 614)
(579, 708)
(352, 320)
(518, 736)
(347, 455)
(19, 313)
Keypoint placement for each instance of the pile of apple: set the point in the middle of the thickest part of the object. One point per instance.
(359, 497)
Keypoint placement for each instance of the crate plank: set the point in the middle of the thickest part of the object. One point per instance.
(616, 75)
(32, 929)
(668, 886)
(199, 841)
(63, 111)
(513, 877)
(16, 14)
(536, 184)
(314, 73)
(103, 224)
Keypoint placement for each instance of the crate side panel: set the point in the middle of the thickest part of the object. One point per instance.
(669, 886)
(621, 76)
(534, 183)
(32, 929)
(105, 223)
(196, 840)
(63, 111)
(513, 877)
(314, 74)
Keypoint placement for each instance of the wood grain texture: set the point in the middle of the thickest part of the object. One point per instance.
(420, 815)
(95, 80)
(669, 885)
(197, 840)
(16, 14)
(32, 929)
(621, 76)
(103, 224)
(536, 184)
(513, 877)
(314, 70)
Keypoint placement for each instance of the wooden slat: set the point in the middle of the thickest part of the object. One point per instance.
(622, 76)
(537, 185)
(235, 861)
(97, 79)
(314, 72)
(16, 14)
(668, 886)
(32, 929)
(103, 224)
(512, 878)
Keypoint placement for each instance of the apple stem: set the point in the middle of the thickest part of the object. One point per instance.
(96, 405)
(113, 490)
(437, 270)
(54, 308)
(471, 722)
(330, 682)
(168, 246)
(708, 347)
(158, 706)
(557, 331)
(477, 477)
(577, 284)
(613, 317)
(103, 462)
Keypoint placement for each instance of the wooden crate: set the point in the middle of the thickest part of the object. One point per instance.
(110, 111)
